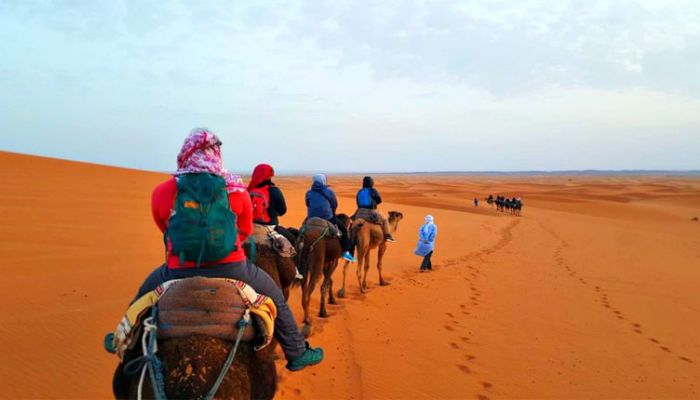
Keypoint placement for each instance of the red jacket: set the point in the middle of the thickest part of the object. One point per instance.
(162, 206)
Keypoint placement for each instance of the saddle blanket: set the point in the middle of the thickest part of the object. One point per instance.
(259, 305)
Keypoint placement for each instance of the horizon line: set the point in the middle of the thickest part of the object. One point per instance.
(523, 172)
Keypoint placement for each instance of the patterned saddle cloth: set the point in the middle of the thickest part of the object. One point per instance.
(206, 306)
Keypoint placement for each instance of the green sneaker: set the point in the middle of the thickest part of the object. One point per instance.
(310, 357)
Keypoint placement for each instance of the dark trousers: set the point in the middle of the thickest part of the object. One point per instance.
(286, 332)
(344, 236)
(427, 264)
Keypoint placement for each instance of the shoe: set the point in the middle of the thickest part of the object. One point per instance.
(299, 275)
(310, 357)
(389, 238)
(348, 257)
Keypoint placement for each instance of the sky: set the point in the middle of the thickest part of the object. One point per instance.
(356, 86)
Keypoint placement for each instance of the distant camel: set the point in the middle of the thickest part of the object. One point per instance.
(369, 236)
(318, 255)
(202, 315)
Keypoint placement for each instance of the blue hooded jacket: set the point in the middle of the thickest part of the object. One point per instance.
(320, 200)
(426, 237)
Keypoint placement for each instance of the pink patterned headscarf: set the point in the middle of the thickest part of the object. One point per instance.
(201, 152)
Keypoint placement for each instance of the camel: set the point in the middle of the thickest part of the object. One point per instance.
(368, 236)
(318, 255)
(281, 269)
(191, 361)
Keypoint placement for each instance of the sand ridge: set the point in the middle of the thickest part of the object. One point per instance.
(591, 293)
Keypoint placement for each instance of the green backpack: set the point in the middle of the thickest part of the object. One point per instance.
(202, 227)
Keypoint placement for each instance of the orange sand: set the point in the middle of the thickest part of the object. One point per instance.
(592, 293)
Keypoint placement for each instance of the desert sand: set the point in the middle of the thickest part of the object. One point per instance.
(592, 293)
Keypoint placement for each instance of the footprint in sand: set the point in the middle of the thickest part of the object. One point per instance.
(686, 359)
(464, 368)
(651, 339)
(482, 397)
(454, 345)
(449, 328)
(486, 385)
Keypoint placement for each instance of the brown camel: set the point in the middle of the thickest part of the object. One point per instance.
(318, 256)
(281, 269)
(369, 236)
(195, 336)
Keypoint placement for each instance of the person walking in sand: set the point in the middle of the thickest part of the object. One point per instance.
(426, 243)
(476, 201)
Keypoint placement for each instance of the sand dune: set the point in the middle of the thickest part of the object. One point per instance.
(592, 293)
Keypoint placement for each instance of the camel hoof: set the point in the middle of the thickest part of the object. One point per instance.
(341, 293)
(306, 330)
(383, 283)
(322, 314)
(332, 301)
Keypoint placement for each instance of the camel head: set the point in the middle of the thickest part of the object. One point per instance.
(394, 218)
(345, 220)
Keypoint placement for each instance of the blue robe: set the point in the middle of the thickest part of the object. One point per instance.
(426, 239)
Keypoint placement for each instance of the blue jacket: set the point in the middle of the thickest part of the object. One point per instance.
(426, 239)
(320, 200)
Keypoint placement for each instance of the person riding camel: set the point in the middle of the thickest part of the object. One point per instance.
(269, 204)
(321, 202)
(368, 199)
(229, 218)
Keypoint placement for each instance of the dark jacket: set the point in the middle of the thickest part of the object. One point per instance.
(368, 183)
(320, 200)
(277, 207)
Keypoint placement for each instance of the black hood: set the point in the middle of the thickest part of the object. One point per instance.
(367, 182)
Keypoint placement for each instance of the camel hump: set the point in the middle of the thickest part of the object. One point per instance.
(202, 306)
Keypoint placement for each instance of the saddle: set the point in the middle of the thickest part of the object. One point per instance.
(264, 235)
(316, 223)
(198, 305)
(367, 215)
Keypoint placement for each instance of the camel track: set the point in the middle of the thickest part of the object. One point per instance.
(463, 338)
(604, 299)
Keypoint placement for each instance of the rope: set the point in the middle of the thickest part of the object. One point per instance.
(242, 323)
(318, 239)
(148, 362)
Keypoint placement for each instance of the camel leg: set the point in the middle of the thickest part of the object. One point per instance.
(331, 297)
(360, 263)
(366, 267)
(341, 292)
(380, 256)
(308, 288)
(324, 290)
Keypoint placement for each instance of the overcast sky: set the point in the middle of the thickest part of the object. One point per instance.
(356, 86)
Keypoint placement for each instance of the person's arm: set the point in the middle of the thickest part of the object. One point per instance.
(376, 197)
(162, 203)
(241, 206)
(433, 233)
(277, 201)
(333, 200)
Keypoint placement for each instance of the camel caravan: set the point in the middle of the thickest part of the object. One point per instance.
(512, 206)
(205, 324)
